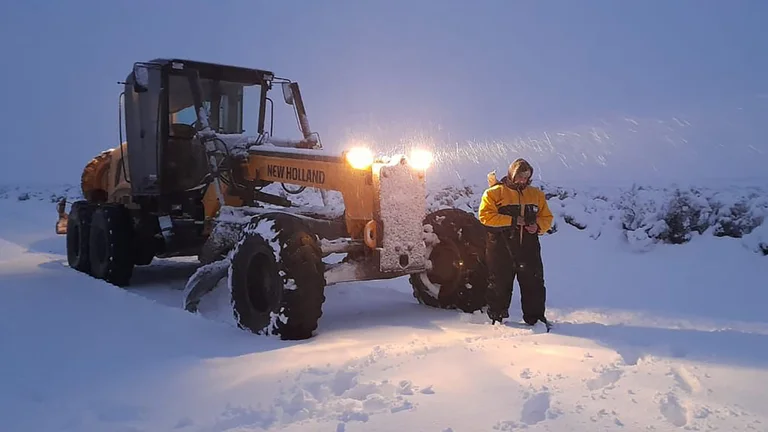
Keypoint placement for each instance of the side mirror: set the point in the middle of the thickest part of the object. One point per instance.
(287, 93)
(140, 78)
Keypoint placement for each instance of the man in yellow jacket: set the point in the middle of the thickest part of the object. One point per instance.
(515, 215)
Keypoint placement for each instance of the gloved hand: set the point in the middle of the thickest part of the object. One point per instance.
(533, 228)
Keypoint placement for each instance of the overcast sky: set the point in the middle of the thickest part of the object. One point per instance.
(630, 89)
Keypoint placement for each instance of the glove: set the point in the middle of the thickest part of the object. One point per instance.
(533, 229)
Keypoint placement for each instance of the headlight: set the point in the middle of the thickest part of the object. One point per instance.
(420, 159)
(359, 157)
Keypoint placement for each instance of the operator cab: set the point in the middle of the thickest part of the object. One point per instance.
(162, 101)
(185, 166)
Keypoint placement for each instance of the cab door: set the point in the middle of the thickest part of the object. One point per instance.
(143, 114)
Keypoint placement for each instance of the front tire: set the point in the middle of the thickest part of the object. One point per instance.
(459, 277)
(111, 246)
(277, 278)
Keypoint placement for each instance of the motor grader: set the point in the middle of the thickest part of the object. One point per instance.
(196, 187)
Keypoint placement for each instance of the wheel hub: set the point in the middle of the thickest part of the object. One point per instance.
(447, 264)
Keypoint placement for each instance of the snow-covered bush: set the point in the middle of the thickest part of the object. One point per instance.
(40, 193)
(757, 239)
(738, 218)
(464, 197)
(683, 213)
(674, 216)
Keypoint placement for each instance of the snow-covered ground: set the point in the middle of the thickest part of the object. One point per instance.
(649, 335)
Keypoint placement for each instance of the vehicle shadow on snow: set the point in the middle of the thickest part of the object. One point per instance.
(356, 305)
(170, 273)
(161, 273)
(635, 342)
(49, 245)
(162, 281)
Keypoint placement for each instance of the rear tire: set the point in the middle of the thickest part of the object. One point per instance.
(111, 246)
(277, 278)
(78, 230)
(459, 276)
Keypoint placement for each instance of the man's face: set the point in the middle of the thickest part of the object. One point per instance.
(521, 178)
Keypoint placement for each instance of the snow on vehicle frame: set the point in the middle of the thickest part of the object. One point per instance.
(175, 189)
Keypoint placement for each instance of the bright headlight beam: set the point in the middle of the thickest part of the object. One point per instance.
(359, 157)
(420, 159)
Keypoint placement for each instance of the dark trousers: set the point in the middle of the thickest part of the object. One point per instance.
(509, 259)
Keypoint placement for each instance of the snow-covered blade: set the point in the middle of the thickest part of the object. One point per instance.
(203, 282)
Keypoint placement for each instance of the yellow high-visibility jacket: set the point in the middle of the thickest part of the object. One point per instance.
(500, 203)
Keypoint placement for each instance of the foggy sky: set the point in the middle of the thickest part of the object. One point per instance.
(585, 89)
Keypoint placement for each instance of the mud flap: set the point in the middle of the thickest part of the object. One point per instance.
(203, 282)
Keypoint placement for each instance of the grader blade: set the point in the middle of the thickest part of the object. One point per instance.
(214, 254)
(203, 282)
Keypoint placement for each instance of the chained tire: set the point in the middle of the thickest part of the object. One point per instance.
(78, 231)
(111, 244)
(277, 278)
(459, 277)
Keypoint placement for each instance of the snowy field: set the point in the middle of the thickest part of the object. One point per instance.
(659, 298)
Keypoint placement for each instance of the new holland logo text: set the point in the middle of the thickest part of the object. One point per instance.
(296, 174)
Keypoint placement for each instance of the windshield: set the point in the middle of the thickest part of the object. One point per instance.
(224, 101)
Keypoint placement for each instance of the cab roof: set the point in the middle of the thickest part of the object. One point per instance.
(220, 72)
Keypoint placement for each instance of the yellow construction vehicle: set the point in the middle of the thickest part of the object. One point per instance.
(194, 187)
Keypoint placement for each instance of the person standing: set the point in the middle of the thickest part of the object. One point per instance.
(515, 214)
